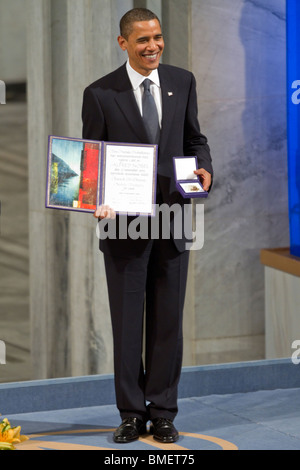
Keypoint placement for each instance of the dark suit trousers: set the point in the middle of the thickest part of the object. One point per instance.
(155, 280)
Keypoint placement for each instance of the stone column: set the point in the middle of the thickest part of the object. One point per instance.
(176, 16)
(13, 46)
(70, 44)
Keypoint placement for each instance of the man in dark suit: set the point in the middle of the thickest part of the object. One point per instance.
(150, 272)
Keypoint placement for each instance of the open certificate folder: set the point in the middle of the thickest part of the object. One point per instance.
(83, 174)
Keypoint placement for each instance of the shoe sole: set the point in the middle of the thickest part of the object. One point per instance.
(166, 440)
(125, 441)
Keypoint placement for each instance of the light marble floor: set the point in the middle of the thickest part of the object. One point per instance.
(14, 251)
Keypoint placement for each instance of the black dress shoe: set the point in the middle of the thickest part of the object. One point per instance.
(129, 430)
(163, 430)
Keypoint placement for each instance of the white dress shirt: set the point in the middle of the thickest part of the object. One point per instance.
(138, 89)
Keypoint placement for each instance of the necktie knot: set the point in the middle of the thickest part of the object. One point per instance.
(146, 84)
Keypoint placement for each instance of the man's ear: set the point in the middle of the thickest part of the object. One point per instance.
(122, 43)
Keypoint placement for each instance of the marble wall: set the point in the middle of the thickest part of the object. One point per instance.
(236, 48)
(238, 57)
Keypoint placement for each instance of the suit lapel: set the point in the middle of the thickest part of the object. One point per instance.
(169, 99)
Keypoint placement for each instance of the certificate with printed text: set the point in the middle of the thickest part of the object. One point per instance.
(128, 182)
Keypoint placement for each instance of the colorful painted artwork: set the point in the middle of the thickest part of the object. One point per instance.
(73, 169)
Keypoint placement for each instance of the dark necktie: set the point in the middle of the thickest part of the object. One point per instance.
(150, 115)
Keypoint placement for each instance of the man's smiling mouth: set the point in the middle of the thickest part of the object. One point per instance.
(150, 56)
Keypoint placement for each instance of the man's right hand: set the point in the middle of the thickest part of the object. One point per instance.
(104, 212)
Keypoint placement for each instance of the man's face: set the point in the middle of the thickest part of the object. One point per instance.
(144, 46)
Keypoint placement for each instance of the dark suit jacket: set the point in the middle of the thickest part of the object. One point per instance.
(110, 113)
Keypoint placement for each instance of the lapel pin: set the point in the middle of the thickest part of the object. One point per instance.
(170, 93)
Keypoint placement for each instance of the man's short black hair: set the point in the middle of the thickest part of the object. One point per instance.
(136, 14)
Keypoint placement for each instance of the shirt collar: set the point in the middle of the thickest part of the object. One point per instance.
(137, 79)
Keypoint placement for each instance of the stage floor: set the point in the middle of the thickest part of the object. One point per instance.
(260, 420)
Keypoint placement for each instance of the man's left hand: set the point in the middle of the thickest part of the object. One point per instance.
(205, 178)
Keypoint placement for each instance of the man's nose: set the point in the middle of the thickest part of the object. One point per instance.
(151, 45)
